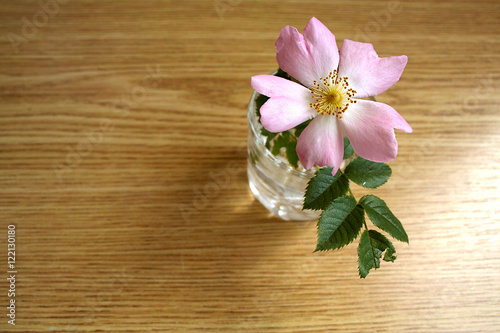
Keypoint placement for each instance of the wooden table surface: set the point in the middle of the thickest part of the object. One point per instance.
(116, 116)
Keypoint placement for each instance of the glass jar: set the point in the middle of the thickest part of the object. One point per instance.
(274, 182)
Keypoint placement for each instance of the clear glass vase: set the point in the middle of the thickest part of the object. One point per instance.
(274, 182)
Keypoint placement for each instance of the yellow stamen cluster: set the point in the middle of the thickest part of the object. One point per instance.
(332, 95)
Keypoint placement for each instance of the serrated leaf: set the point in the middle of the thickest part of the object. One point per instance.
(323, 188)
(390, 255)
(371, 246)
(291, 153)
(280, 142)
(269, 135)
(382, 217)
(348, 150)
(339, 224)
(367, 173)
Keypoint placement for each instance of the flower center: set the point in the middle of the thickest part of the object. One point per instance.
(332, 95)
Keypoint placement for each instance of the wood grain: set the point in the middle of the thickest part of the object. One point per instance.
(142, 105)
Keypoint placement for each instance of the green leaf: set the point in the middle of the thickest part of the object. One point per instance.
(348, 150)
(282, 73)
(339, 224)
(291, 153)
(259, 101)
(382, 217)
(254, 157)
(367, 173)
(371, 246)
(270, 136)
(323, 188)
(390, 255)
(280, 142)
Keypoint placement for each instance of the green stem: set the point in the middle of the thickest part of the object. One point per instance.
(364, 221)
(369, 239)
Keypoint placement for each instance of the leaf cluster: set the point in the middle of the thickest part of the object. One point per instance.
(343, 217)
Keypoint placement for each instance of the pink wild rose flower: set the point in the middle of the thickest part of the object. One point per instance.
(332, 83)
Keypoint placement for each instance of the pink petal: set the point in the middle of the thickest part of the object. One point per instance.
(368, 74)
(322, 46)
(370, 128)
(288, 105)
(308, 57)
(280, 114)
(274, 86)
(321, 143)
